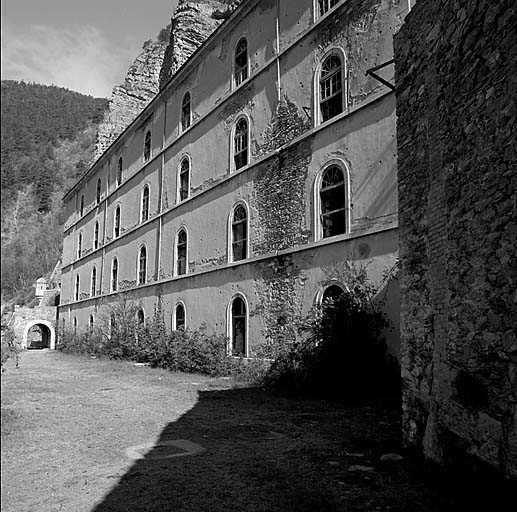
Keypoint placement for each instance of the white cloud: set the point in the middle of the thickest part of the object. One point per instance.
(82, 60)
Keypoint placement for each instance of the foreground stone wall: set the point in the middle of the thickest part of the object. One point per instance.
(456, 69)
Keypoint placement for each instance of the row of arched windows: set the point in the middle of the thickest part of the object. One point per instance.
(332, 214)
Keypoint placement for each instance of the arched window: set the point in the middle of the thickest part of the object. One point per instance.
(241, 62)
(240, 143)
(186, 116)
(116, 223)
(112, 324)
(145, 205)
(326, 5)
(239, 234)
(119, 172)
(184, 179)
(96, 236)
(90, 324)
(147, 146)
(238, 333)
(93, 288)
(331, 88)
(142, 265)
(179, 317)
(76, 292)
(114, 275)
(332, 294)
(333, 202)
(75, 325)
(98, 193)
(82, 206)
(181, 253)
(79, 245)
(140, 317)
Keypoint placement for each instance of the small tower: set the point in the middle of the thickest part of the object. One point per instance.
(41, 286)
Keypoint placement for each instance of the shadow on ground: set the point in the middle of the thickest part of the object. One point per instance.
(279, 454)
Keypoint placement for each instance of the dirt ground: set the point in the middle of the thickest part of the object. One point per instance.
(68, 422)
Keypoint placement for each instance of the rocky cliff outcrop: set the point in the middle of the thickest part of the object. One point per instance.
(191, 24)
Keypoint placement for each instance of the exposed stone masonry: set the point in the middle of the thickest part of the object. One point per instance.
(456, 70)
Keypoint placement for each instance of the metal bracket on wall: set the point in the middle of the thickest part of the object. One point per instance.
(372, 73)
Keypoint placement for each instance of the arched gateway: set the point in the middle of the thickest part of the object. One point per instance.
(39, 334)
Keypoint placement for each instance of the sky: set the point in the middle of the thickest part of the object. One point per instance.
(86, 46)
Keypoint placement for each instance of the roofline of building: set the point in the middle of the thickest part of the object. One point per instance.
(177, 75)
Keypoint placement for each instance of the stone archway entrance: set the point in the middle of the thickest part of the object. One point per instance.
(38, 335)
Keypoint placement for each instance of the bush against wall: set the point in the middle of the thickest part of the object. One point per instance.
(9, 347)
(343, 354)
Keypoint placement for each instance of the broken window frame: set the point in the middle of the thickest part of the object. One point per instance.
(114, 275)
(93, 282)
(116, 222)
(186, 112)
(142, 265)
(96, 235)
(77, 287)
(241, 143)
(98, 192)
(239, 222)
(119, 172)
(328, 213)
(79, 244)
(91, 324)
(241, 64)
(184, 179)
(180, 316)
(147, 146)
(144, 213)
(238, 326)
(331, 99)
(181, 252)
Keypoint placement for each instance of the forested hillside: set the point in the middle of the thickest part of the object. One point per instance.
(48, 137)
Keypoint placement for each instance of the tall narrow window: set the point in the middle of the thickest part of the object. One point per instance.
(239, 233)
(98, 192)
(119, 172)
(142, 265)
(75, 325)
(76, 292)
(184, 179)
(333, 202)
(145, 204)
(186, 116)
(180, 317)
(147, 146)
(116, 223)
(96, 236)
(326, 5)
(140, 318)
(93, 289)
(241, 62)
(82, 206)
(331, 88)
(79, 245)
(114, 275)
(181, 252)
(90, 324)
(238, 320)
(240, 144)
(113, 325)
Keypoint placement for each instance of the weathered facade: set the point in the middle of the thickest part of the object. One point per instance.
(261, 174)
(456, 69)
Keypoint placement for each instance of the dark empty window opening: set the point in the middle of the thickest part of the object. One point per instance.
(184, 179)
(241, 144)
(147, 146)
(241, 62)
(181, 251)
(76, 293)
(145, 204)
(332, 294)
(94, 282)
(140, 318)
(98, 193)
(238, 327)
(331, 88)
(114, 275)
(142, 265)
(75, 325)
(116, 224)
(82, 206)
(326, 5)
(239, 233)
(180, 317)
(185, 112)
(91, 324)
(119, 172)
(96, 236)
(333, 202)
(79, 245)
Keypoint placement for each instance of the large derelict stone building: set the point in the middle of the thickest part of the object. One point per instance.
(257, 179)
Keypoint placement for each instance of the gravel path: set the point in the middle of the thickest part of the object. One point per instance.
(68, 422)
